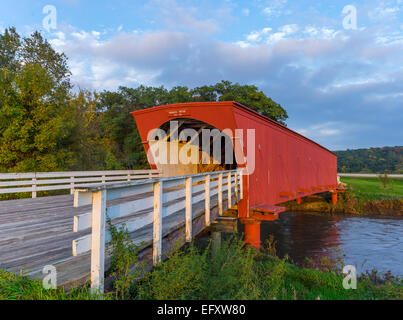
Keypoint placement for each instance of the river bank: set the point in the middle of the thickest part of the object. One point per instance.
(348, 204)
(364, 196)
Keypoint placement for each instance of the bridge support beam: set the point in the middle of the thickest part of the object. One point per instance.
(252, 232)
(334, 198)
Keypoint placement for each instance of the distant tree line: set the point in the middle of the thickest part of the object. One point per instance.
(372, 160)
(46, 126)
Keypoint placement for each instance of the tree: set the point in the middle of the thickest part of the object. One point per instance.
(10, 44)
(118, 125)
(34, 113)
(36, 50)
(373, 160)
(384, 179)
(251, 97)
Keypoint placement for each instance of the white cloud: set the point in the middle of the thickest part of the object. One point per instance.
(289, 28)
(384, 11)
(82, 35)
(242, 44)
(294, 71)
(316, 73)
(275, 37)
(96, 34)
(268, 11)
(275, 8)
(246, 12)
(255, 36)
(288, 31)
(321, 131)
(60, 35)
(178, 17)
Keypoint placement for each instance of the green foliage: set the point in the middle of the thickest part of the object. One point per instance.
(236, 272)
(125, 267)
(34, 108)
(193, 274)
(251, 97)
(10, 42)
(372, 160)
(18, 287)
(180, 279)
(231, 272)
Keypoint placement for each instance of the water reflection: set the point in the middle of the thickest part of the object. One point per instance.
(365, 242)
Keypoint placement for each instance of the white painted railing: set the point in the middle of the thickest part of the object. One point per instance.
(141, 203)
(46, 181)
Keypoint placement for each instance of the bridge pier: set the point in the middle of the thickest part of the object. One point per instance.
(334, 198)
(252, 232)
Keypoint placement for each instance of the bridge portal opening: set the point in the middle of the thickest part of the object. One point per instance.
(184, 146)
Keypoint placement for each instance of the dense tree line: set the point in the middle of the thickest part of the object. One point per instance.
(47, 126)
(372, 160)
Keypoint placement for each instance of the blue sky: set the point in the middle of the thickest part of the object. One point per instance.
(342, 87)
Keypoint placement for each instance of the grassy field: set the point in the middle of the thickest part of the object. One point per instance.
(371, 188)
(229, 272)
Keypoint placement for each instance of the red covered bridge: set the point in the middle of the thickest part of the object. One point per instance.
(283, 166)
(230, 148)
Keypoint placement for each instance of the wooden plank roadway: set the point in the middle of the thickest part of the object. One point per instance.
(39, 232)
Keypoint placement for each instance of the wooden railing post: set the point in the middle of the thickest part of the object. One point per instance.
(236, 186)
(82, 198)
(72, 185)
(207, 200)
(229, 190)
(103, 179)
(188, 207)
(220, 209)
(157, 222)
(241, 185)
(34, 187)
(98, 241)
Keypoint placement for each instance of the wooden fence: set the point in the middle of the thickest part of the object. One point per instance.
(46, 181)
(141, 203)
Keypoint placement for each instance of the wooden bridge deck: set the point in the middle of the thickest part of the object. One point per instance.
(36, 232)
(39, 232)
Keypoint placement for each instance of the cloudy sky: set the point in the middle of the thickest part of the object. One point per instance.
(336, 66)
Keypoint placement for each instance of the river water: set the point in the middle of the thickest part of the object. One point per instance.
(367, 243)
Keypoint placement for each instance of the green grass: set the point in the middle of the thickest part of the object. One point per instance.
(17, 287)
(371, 188)
(228, 272)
